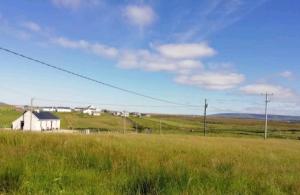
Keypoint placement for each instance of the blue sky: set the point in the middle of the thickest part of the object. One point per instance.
(228, 51)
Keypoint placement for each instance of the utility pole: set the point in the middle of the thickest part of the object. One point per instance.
(205, 108)
(267, 100)
(159, 126)
(136, 129)
(31, 110)
(124, 122)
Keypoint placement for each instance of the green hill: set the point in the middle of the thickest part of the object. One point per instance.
(166, 124)
(7, 115)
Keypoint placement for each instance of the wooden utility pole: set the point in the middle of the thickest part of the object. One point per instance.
(267, 100)
(159, 126)
(124, 123)
(136, 129)
(205, 108)
(31, 110)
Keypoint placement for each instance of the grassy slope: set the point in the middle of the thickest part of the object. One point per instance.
(170, 124)
(140, 164)
(104, 122)
(7, 115)
(219, 126)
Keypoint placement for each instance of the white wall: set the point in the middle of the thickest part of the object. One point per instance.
(37, 125)
(63, 110)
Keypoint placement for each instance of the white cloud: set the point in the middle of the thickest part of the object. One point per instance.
(74, 4)
(183, 66)
(145, 60)
(181, 51)
(212, 80)
(32, 26)
(257, 89)
(286, 74)
(96, 48)
(140, 15)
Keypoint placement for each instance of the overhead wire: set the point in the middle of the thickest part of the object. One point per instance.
(92, 79)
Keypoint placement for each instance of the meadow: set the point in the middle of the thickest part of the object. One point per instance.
(113, 163)
(165, 124)
(7, 115)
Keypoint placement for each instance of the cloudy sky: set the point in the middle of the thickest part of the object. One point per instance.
(228, 51)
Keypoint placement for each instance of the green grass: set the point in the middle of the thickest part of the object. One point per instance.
(35, 163)
(216, 126)
(105, 122)
(7, 115)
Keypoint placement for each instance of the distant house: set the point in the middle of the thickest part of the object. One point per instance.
(48, 109)
(63, 109)
(136, 114)
(116, 113)
(79, 109)
(36, 121)
(125, 114)
(90, 110)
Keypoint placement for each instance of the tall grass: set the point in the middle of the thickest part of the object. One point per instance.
(146, 164)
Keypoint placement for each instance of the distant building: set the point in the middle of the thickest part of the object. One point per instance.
(79, 109)
(63, 109)
(116, 113)
(39, 121)
(48, 109)
(136, 114)
(125, 114)
(90, 110)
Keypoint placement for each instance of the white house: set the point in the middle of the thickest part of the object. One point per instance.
(90, 110)
(48, 109)
(78, 109)
(63, 109)
(125, 114)
(136, 114)
(39, 121)
(116, 113)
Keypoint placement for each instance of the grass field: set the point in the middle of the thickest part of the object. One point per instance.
(146, 164)
(105, 122)
(216, 126)
(7, 115)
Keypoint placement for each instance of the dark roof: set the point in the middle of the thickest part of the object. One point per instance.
(45, 116)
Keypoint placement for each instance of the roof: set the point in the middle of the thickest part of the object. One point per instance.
(45, 116)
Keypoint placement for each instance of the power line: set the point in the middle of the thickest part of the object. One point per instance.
(109, 104)
(91, 79)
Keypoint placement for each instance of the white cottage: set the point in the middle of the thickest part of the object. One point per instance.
(40, 121)
(90, 110)
(63, 109)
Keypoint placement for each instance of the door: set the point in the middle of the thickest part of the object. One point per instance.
(22, 125)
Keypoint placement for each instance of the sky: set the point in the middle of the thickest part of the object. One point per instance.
(227, 51)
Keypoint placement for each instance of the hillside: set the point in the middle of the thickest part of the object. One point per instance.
(105, 122)
(7, 115)
(217, 126)
(146, 164)
(166, 124)
(258, 116)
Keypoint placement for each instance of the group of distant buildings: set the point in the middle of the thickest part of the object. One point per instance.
(43, 119)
